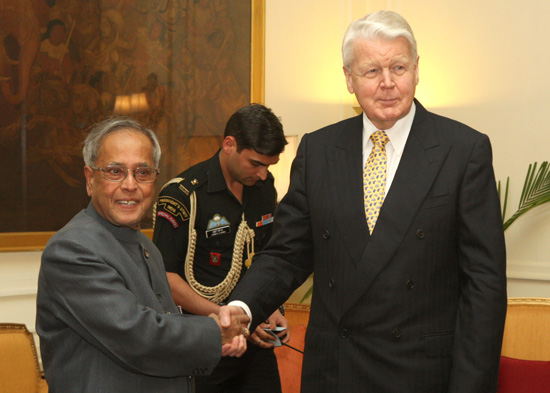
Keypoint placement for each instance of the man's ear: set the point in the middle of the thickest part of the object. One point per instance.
(348, 75)
(229, 144)
(89, 174)
(417, 74)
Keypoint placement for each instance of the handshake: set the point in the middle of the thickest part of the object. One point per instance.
(234, 322)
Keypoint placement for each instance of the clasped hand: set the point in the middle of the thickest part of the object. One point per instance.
(234, 332)
(259, 337)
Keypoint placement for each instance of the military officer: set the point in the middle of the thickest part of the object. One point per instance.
(209, 221)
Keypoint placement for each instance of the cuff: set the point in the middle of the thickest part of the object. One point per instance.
(242, 305)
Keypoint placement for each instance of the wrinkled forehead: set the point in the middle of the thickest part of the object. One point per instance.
(382, 50)
(126, 146)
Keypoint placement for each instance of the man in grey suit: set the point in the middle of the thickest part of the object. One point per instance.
(105, 315)
(414, 301)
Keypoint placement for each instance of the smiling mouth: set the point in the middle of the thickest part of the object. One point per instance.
(127, 203)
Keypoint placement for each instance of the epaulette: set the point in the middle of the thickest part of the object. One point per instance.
(191, 181)
(169, 206)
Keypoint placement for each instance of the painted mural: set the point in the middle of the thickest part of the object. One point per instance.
(66, 64)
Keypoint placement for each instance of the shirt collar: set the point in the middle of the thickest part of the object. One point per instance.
(398, 134)
(216, 181)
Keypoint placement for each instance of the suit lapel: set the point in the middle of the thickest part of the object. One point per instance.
(422, 159)
(345, 177)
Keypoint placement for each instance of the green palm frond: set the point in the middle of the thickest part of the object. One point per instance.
(536, 191)
(505, 203)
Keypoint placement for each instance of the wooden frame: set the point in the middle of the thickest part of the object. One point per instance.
(35, 241)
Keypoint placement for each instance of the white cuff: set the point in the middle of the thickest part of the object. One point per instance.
(242, 305)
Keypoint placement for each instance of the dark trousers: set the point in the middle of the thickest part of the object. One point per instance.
(256, 371)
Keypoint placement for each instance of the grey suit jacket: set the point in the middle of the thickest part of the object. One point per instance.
(419, 306)
(106, 319)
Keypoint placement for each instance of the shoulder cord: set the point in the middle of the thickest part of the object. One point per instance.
(174, 180)
(221, 291)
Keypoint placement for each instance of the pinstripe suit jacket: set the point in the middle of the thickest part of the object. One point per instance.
(419, 306)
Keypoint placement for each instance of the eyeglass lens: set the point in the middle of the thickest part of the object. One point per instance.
(141, 174)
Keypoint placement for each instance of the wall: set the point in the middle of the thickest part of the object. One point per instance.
(480, 63)
(18, 281)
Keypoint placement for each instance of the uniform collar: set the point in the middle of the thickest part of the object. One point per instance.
(216, 181)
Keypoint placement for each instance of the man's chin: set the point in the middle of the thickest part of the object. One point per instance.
(132, 222)
(135, 226)
(387, 119)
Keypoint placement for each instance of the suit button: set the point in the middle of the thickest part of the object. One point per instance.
(331, 283)
(420, 234)
(159, 297)
(344, 333)
(396, 333)
(410, 284)
(326, 234)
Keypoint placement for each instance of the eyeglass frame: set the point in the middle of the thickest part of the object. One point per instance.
(104, 170)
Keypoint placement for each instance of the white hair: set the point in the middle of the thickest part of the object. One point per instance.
(112, 124)
(380, 24)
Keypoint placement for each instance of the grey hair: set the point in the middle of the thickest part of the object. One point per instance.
(112, 124)
(380, 24)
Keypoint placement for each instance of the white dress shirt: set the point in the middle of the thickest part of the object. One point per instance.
(398, 135)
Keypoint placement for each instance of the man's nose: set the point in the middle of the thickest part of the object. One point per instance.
(130, 182)
(387, 77)
(262, 173)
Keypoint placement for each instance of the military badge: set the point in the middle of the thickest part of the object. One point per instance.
(266, 219)
(215, 259)
(172, 210)
(218, 225)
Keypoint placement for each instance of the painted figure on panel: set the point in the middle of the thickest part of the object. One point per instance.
(64, 64)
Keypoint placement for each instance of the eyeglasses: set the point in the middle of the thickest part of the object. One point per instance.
(119, 173)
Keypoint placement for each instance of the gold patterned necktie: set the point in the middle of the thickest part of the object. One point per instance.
(374, 178)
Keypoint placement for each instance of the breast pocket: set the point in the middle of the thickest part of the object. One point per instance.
(262, 235)
(433, 201)
(221, 242)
